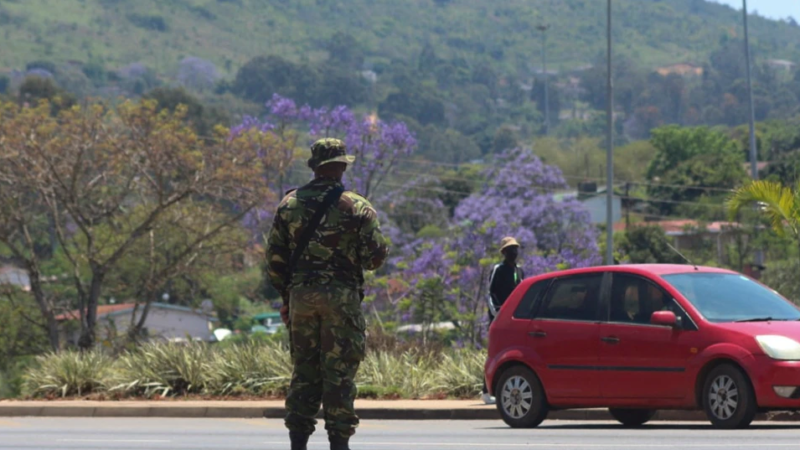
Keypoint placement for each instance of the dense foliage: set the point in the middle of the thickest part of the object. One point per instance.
(443, 104)
(254, 368)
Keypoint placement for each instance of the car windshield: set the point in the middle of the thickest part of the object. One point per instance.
(724, 297)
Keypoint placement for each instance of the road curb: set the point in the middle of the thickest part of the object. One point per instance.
(369, 413)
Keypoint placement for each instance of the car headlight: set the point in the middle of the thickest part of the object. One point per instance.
(780, 347)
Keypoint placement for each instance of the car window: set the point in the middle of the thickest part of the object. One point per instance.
(725, 297)
(573, 298)
(634, 300)
(684, 321)
(527, 306)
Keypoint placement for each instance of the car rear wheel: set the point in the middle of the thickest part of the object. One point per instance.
(521, 399)
(728, 398)
(632, 417)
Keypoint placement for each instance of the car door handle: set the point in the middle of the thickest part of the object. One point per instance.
(537, 334)
(610, 340)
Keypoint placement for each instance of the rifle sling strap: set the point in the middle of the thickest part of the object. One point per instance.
(331, 198)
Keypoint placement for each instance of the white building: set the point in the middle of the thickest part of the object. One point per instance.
(15, 276)
(595, 203)
(164, 322)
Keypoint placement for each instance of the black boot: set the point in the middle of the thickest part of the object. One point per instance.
(339, 443)
(299, 440)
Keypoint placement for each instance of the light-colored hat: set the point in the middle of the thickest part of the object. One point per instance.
(508, 242)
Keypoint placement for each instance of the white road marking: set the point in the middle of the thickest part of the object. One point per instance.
(119, 441)
(544, 445)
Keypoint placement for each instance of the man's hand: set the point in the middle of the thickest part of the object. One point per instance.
(285, 314)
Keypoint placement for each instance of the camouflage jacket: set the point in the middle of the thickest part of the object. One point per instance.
(347, 241)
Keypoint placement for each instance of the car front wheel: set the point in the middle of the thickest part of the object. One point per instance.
(728, 398)
(521, 399)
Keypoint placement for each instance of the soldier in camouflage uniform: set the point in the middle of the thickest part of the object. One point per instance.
(324, 293)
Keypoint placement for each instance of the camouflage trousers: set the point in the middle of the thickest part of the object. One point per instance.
(328, 344)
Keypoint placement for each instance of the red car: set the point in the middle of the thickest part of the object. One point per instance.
(639, 338)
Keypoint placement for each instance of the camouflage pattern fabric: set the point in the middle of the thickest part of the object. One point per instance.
(329, 150)
(324, 292)
(328, 344)
(347, 241)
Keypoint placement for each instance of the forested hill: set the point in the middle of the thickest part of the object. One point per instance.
(159, 33)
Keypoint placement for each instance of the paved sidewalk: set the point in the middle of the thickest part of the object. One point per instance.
(367, 409)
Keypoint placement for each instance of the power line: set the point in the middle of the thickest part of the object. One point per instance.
(599, 179)
(549, 191)
(618, 182)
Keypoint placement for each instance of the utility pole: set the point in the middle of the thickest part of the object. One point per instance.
(753, 149)
(543, 29)
(610, 154)
(627, 206)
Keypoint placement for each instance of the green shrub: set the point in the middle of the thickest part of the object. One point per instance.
(163, 369)
(149, 22)
(12, 376)
(410, 372)
(251, 368)
(460, 374)
(375, 392)
(259, 366)
(67, 374)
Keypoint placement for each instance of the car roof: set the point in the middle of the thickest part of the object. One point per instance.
(640, 269)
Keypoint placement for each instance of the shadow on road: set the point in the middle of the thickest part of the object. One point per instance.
(648, 427)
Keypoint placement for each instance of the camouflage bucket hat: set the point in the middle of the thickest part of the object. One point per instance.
(326, 151)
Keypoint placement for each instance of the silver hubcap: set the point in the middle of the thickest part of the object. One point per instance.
(723, 397)
(517, 397)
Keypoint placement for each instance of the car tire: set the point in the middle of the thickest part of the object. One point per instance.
(521, 399)
(728, 398)
(632, 417)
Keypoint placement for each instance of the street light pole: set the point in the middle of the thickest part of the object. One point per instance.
(753, 150)
(753, 147)
(543, 29)
(610, 153)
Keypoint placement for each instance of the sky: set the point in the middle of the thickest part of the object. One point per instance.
(776, 9)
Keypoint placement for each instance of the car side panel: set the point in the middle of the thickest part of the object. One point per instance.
(721, 351)
(519, 355)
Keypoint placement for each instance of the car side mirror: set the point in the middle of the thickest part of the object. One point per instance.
(664, 318)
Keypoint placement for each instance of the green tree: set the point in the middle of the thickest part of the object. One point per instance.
(203, 118)
(448, 146)
(345, 50)
(263, 76)
(647, 244)
(504, 139)
(130, 169)
(691, 162)
(779, 204)
(4, 83)
(34, 89)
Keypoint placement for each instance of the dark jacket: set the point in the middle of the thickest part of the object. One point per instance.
(503, 281)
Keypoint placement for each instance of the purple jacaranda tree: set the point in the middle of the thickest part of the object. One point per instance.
(197, 73)
(377, 145)
(517, 200)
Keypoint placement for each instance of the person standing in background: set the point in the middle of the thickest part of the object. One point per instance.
(505, 277)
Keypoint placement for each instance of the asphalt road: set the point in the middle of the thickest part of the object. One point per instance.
(208, 434)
